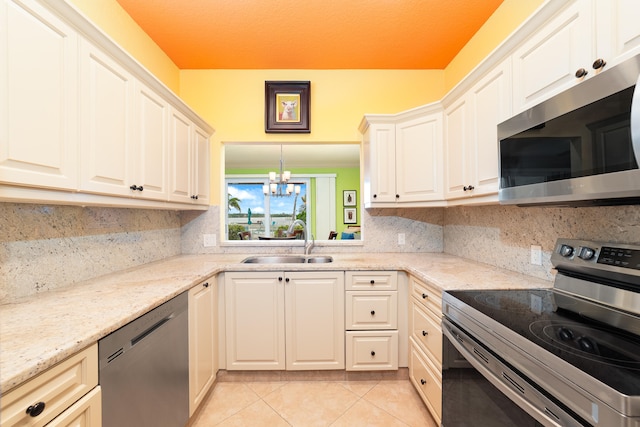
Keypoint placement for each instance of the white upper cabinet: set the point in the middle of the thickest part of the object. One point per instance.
(419, 158)
(547, 62)
(189, 154)
(585, 38)
(403, 158)
(471, 124)
(81, 122)
(617, 29)
(106, 117)
(151, 143)
(38, 97)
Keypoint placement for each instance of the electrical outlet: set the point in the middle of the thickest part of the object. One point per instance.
(536, 255)
(401, 238)
(209, 240)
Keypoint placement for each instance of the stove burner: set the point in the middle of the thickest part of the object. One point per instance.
(589, 342)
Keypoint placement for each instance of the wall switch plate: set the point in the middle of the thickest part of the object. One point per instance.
(209, 240)
(401, 238)
(536, 255)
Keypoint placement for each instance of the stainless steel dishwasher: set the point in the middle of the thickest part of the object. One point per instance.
(144, 369)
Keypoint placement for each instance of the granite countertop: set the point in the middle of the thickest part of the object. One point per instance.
(42, 330)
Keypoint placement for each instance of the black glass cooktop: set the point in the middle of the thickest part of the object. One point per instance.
(562, 325)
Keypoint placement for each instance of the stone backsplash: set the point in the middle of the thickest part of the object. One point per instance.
(49, 247)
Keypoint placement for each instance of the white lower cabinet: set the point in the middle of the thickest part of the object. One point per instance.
(284, 320)
(371, 329)
(203, 339)
(425, 344)
(66, 394)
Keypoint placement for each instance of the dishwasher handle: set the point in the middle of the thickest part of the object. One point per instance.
(149, 331)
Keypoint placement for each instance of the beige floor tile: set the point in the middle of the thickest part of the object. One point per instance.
(359, 387)
(263, 388)
(400, 399)
(364, 414)
(309, 404)
(226, 400)
(258, 414)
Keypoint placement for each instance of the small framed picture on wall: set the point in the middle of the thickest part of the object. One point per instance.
(350, 197)
(350, 216)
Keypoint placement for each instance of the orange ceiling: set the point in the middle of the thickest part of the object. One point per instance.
(310, 34)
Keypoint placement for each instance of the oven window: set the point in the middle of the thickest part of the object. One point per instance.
(470, 400)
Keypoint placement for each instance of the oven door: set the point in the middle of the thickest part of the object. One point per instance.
(480, 389)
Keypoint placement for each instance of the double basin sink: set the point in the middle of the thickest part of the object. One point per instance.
(288, 259)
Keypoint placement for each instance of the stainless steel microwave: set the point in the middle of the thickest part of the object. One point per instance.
(581, 147)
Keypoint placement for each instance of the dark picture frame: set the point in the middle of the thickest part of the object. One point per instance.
(349, 198)
(286, 108)
(350, 216)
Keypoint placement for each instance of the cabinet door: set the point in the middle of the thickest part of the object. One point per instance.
(314, 320)
(106, 123)
(180, 157)
(459, 151)
(490, 104)
(547, 62)
(254, 305)
(151, 144)
(380, 164)
(38, 97)
(617, 30)
(202, 341)
(201, 172)
(418, 159)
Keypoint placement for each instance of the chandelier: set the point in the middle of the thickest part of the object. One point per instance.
(280, 187)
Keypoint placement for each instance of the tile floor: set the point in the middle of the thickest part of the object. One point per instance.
(384, 403)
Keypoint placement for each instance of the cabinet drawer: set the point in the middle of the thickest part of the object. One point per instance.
(371, 280)
(428, 296)
(426, 381)
(426, 330)
(372, 310)
(372, 350)
(58, 387)
(86, 412)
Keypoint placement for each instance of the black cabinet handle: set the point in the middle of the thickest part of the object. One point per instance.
(286, 280)
(135, 187)
(206, 284)
(279, 279)
(372, 281)
(468, 188)
(35, 410)
(599, 63)
(423, 381)
(373, 312)
(425, 333)
(373, 353)
(581, 73)
(194, 197)
(397, 196)
(425, 296)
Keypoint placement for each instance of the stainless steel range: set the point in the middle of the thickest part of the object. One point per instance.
(566, 356)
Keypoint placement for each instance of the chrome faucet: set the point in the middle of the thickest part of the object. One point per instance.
(307, 245)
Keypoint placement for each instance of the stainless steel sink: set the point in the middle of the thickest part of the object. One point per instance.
(319, 259)
(286, 259)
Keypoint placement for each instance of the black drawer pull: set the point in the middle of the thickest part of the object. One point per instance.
(35, 410)
(373, 353)
(373, 312)
(425, 333)
(423, 381)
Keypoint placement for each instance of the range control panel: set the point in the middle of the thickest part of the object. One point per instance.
(579, 252)
(621, 257)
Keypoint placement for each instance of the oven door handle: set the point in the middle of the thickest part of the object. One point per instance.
(507, 381)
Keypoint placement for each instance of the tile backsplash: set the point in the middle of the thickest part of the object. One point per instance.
(48, 247)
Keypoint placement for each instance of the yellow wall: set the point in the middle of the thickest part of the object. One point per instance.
(113, 20)
(509, 16)
(232, 101)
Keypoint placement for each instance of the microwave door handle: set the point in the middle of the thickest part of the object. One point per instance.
(635, 122)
